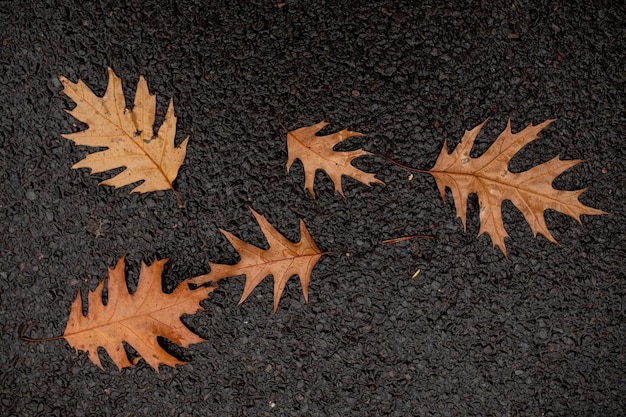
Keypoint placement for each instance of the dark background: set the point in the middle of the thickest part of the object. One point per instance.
(542, 334)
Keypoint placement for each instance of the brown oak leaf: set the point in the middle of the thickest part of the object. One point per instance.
(282, 260)
(128, 134)
(137, 319)
(488, 176)
(316, 152)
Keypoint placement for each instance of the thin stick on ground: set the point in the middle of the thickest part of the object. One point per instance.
(403, 238)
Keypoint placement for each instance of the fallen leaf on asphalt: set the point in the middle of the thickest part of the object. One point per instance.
(127, 134)
(489, 178)
(282, 260)
(137, 319)
(316, 152)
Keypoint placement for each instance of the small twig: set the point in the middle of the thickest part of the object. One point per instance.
(403, 238)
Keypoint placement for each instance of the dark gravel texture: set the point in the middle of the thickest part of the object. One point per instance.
(542, 334)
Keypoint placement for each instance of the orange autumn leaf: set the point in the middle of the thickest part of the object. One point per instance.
(488, 176)
(282, 260)
(137, 319)
(127, 134)
(316, 152)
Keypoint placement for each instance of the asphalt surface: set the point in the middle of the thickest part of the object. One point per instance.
(542, 334)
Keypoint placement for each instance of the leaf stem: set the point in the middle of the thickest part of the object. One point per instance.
(280, 122)
(335, 252)
(422, 171)
(46, 339)
(180, 201)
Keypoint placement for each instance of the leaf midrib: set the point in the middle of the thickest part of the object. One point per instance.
(274, 261)
(518, 190)
(121, 322)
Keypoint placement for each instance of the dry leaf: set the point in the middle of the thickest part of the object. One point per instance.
(488, 176)
(282, 260)
(137, 319)
(128, 134)
(316, 152)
